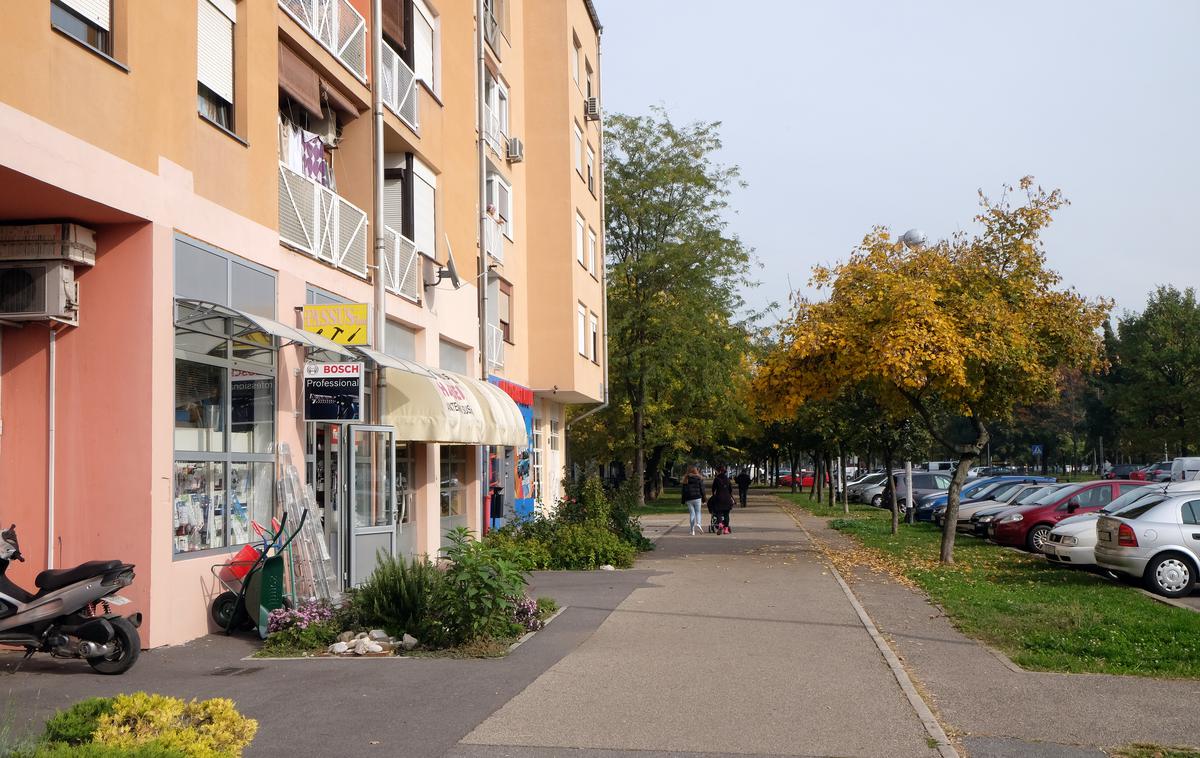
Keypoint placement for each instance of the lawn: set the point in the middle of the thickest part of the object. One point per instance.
(667, 502)
(1043, 617)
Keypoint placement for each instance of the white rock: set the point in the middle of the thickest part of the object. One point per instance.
(408, 642)
(374, 647)
(345, 637)
(360, 636)
(338, 648)
(361, 645)
(377, 635)
(607, 567)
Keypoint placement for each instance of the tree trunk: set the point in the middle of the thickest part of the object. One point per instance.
(966, 459)
(654, 468)
(639, 455)
(829, 473)
(794, 461)
(818, 485)
(887, 466)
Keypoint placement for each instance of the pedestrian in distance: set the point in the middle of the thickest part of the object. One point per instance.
(743, 483)
(721, 502)
(692, 494)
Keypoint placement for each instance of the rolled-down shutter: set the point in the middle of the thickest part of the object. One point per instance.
(299, 81)
(98, 12)
(393, 22)
(214, 48)
(393, 200)
(424, 204)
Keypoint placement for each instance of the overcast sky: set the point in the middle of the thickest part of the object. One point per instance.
(847, 113)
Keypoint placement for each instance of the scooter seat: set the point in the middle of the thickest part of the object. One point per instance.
(54, 579)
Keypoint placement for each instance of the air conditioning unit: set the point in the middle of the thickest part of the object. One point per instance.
(37, 242)
(591, 109)
(39, 290)
(516, 150)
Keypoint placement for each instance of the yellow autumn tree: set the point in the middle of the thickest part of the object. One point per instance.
(972, 325)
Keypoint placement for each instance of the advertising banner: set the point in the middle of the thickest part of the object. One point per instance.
(333, 391)
(344, 323)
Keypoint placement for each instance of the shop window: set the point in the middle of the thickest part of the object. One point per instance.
(89, 21)
(454, 480)
(406, 477)
(252, 411)
(199, 407)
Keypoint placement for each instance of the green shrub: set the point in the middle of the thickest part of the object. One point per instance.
(589, 546)
(77, 724)
(476, 599)
(398, 596)
(546, 607)
(526, 550)
(296, 641)
(196, 729)
(585, 503)
(621, 519)
(152, 749)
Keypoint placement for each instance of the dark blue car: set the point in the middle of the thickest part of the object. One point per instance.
(978, 489)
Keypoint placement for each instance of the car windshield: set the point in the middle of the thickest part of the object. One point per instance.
(975, 489)
(1057, 494)
(1003, 488)
(1129, 498)
(1031, 494)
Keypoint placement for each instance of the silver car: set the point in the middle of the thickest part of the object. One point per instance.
(1155, 540)
(855, 489)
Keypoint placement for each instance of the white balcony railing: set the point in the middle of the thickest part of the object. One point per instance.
(491, 133)
(400, 88)
(495, 346)
(316, 220)
(493, 238)
(337, 26)
(400, 264)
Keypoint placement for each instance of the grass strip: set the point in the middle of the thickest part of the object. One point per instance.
(1043, 617)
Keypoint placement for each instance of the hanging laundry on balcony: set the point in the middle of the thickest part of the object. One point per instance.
(315, 166)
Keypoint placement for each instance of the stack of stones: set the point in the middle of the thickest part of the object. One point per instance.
(373, 643)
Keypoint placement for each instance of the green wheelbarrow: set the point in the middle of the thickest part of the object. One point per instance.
(253, 580)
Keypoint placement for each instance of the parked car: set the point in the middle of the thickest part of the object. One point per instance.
(978, 489)
(1185, 469)
(1073, 541)
(1123, 471)
(975, 518)
(923, 483)
(802, 479)
(855, 489)
(1002, 493)
(1028, 526)
(1158, 542)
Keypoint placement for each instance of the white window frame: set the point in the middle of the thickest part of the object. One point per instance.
(424, 184)
(504, 211)
(578, 144)
(215, 22)
(580, 225)
(576, 59)
(432, 79)
(594, 337)
(590, 177)
(591, 251)
(581, 315)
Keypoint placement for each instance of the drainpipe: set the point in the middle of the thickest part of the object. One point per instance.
(380, 314)
(482, 279)
(603, 256)
(50, 414)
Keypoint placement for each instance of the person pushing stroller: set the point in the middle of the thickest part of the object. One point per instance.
(721, 502)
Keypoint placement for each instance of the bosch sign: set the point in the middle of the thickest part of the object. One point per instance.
(333, 391)
(333, 369)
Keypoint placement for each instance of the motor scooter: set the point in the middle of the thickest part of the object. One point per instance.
(71, 614)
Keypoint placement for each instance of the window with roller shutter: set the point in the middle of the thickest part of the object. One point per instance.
(89, 21)
(425, 45)
(424, 189)
(214, 60)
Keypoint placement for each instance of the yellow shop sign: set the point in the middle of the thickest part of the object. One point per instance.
(344, 323)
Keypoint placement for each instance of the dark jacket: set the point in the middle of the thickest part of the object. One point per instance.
(743, 481)
(722, 495)
(692, 489)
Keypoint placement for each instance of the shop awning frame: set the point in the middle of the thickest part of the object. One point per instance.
(289, 334)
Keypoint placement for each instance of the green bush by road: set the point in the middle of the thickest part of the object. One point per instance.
(1041, 616)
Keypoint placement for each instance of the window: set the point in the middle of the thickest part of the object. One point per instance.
(579, 226)
(554, 436)
(594, 337)
(454, 480)
(536, 459)
(588, 92)
(497, 102)
(451, 357)
(499, 196)
(591, 169)
(399, 341)
(424, 208)
(591, 252)
(406, 476)
(1191, 512)
(214, 60)
(89, 21)
(576, 57)
(581, 329)
(578, 150)
(224, 400)
(426, 35)
(504, 310)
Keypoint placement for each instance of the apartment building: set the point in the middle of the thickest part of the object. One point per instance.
(196, 233)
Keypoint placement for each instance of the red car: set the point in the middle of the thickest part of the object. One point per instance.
(1028, 526)
(805, 479)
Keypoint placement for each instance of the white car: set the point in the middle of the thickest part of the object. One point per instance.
(1155, 540)
(1073, 540)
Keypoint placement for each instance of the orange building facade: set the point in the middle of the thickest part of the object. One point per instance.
(203, 176)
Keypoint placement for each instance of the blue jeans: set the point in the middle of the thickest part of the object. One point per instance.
(694, 512)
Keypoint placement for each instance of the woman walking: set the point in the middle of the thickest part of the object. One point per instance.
(692, 494)
(721, 502)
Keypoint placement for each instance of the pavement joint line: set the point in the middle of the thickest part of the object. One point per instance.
(525, 637)
(945, 748)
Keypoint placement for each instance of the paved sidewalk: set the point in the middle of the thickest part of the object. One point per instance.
(999, 710)
(741, 644)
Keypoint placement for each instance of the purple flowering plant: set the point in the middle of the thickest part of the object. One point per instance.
(525, 613)
(301, 617)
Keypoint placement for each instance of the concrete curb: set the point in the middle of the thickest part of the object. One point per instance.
(944, 747)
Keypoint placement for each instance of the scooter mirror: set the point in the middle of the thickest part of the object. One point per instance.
(10, 550)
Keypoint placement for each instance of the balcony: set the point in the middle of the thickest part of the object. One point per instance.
(400, 88)
(495, 346)
(401, 266)
(491, 32)
(316, 220)
(493, 238)
(337, 26)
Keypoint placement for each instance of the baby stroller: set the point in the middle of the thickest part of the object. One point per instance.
(715, 526)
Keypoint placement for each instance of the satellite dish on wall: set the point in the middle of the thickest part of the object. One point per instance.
(448, 271)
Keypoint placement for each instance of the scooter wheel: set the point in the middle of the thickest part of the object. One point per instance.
(129, 647)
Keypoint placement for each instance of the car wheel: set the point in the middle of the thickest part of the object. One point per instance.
(1170, 575)
(1037, 538)
(877, 501)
